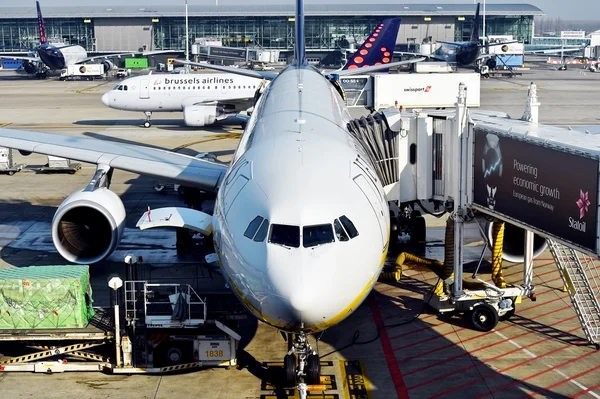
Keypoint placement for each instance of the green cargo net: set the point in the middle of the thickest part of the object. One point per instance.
(45, 297)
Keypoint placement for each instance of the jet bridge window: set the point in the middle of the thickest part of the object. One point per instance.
(285, 235)
(348, 226)
(320, 234)
(257, 229)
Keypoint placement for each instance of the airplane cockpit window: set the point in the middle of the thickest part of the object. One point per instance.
(349, 226)
(340, 233)
(257, 229)
(116, 87)
(253, 227)
(125, 87)
(320, 234)
(285, 235)
(262, 231)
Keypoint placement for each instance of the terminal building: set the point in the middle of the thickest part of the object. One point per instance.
(109, 29)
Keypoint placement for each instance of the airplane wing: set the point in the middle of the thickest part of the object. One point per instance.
(162, 164)
(553, 50)
(375, 68)
(20, 57)
(239, 71)
(119, 55)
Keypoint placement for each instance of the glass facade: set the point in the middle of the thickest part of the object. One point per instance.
(23, 34)
(322, 33)
(268, 32)
(521, 28)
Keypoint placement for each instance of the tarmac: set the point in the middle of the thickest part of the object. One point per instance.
(392, 346)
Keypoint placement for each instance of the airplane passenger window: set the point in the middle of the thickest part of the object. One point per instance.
(253, 227)
(339, 231)
(262, 232)
(349, 226)
(320, 234)
(286, 235)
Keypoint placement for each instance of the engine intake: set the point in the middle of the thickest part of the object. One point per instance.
(88, 226)
(30, 67)
(513, 245)
(108, 65)
(201, 115)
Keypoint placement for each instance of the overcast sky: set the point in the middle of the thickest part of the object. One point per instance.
(566, 9)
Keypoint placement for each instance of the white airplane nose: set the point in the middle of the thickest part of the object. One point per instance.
(105, 99)
(300, 302)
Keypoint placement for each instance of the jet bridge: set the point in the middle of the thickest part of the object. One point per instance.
(540, 182)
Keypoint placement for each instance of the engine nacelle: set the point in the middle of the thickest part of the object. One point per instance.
(30, 67)
(513, 246)
(108, 65)
(201, 115)
(88, 226)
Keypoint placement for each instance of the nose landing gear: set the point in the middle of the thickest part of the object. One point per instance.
(148, 121)
(305, 372)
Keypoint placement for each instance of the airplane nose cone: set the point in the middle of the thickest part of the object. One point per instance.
(105, 99)
(300, 302)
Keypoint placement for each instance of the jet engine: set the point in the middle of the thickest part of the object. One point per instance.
(108, 65)
(30, 67)
(201, 115)
(513, 246)
(88, 225)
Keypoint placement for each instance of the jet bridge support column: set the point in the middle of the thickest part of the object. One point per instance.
(531, 114)
(462, 151)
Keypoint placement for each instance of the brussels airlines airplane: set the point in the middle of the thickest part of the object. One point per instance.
(203, 98)
(57, 56)
(299, 206)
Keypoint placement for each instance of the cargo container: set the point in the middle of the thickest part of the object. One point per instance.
(81, 71)
(11, 64)
(138, 63)
(427, 90)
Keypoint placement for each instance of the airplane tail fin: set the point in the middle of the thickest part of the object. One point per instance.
(41, 25)
(299, 48)
(379, 46)
(476, 22)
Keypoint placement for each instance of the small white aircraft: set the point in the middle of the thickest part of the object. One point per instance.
(203, 98)
(301, 224)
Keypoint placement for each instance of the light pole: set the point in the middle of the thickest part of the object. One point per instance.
(115, 283)
(484, 36)
(187, 57)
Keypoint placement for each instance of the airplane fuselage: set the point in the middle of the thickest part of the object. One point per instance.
(57, 58)
(173, 92)
(462, 54)
(296, 178)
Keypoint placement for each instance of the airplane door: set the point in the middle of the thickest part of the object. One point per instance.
(224, 88)
(144, 89)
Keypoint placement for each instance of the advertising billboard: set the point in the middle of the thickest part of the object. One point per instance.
(552, 191)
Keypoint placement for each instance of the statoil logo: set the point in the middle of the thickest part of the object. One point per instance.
(583, 203)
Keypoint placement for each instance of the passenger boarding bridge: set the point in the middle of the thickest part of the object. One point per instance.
(538, 183)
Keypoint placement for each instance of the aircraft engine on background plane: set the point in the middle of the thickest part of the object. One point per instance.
(108, 65)
(201, 115)
(88, 226)
(513, 247)
(30, 67)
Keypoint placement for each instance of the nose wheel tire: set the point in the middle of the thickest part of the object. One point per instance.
(484, 317)
(313, 370)
(147, 124)
(289, 368)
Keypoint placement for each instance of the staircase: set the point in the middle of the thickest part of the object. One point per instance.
(581, 276)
